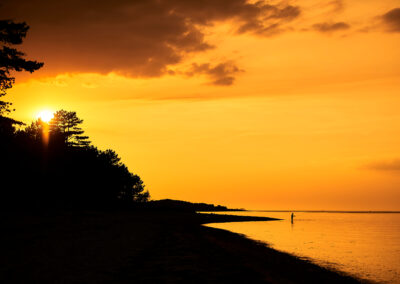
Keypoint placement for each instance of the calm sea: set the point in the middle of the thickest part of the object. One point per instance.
(366, 245)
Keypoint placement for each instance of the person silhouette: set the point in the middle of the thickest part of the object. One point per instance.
(291, 217)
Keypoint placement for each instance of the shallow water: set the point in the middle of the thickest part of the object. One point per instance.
(366, 245)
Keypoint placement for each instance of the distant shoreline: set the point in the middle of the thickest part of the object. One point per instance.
(208, 218)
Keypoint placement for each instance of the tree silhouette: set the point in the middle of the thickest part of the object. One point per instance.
(35, 130)
(66, 124)
(37, 174)
(11, 59)
(129, 187)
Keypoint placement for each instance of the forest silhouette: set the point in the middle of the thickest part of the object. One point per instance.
(54, 165)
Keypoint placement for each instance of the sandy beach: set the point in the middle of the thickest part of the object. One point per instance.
(142, 247)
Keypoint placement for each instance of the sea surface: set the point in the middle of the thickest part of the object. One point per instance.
(365, 245)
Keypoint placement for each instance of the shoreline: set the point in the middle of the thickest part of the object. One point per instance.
(265, 248)
(144, 247)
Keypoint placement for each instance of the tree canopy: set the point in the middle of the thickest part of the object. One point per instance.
(11, 59)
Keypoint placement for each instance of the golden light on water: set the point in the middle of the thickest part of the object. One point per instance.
(364, 245)
(45, 115)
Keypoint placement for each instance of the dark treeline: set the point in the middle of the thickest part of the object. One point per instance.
(53, 165)
(178, 205)
(47, 165)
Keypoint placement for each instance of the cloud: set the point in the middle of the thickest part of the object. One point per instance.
(141, 38)
(392, 20)
(390, 166)
(221, 74)
(272, 22)
(336, 5)
(327, 27)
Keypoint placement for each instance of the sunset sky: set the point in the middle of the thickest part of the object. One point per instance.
(257, 104)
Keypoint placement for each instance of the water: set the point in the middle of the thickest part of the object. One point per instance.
(366, 245)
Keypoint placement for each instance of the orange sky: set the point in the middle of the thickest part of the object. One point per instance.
(263, 105)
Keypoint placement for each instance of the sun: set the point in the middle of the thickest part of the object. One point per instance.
(45, 115)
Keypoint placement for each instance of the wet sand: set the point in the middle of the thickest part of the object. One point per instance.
(142, 247)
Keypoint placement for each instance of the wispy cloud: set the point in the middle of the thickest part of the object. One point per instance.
(330, 27)
(221, 74)
(336, 5)
(390, 166)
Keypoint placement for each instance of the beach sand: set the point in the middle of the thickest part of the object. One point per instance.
(142, 247)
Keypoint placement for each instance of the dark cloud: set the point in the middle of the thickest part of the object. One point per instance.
(392, 20)
(330, 27)
(392, 166)
(135, 38)
(221, 74)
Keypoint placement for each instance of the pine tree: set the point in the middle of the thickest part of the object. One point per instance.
(66, 123)
(11, 59)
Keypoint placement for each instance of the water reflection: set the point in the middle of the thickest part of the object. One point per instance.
(363, 244)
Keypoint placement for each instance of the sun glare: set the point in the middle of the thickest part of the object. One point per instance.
(45, 115)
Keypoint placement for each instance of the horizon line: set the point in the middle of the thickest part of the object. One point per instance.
(330, 211)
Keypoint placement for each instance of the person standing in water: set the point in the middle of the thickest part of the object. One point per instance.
(291, 217)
